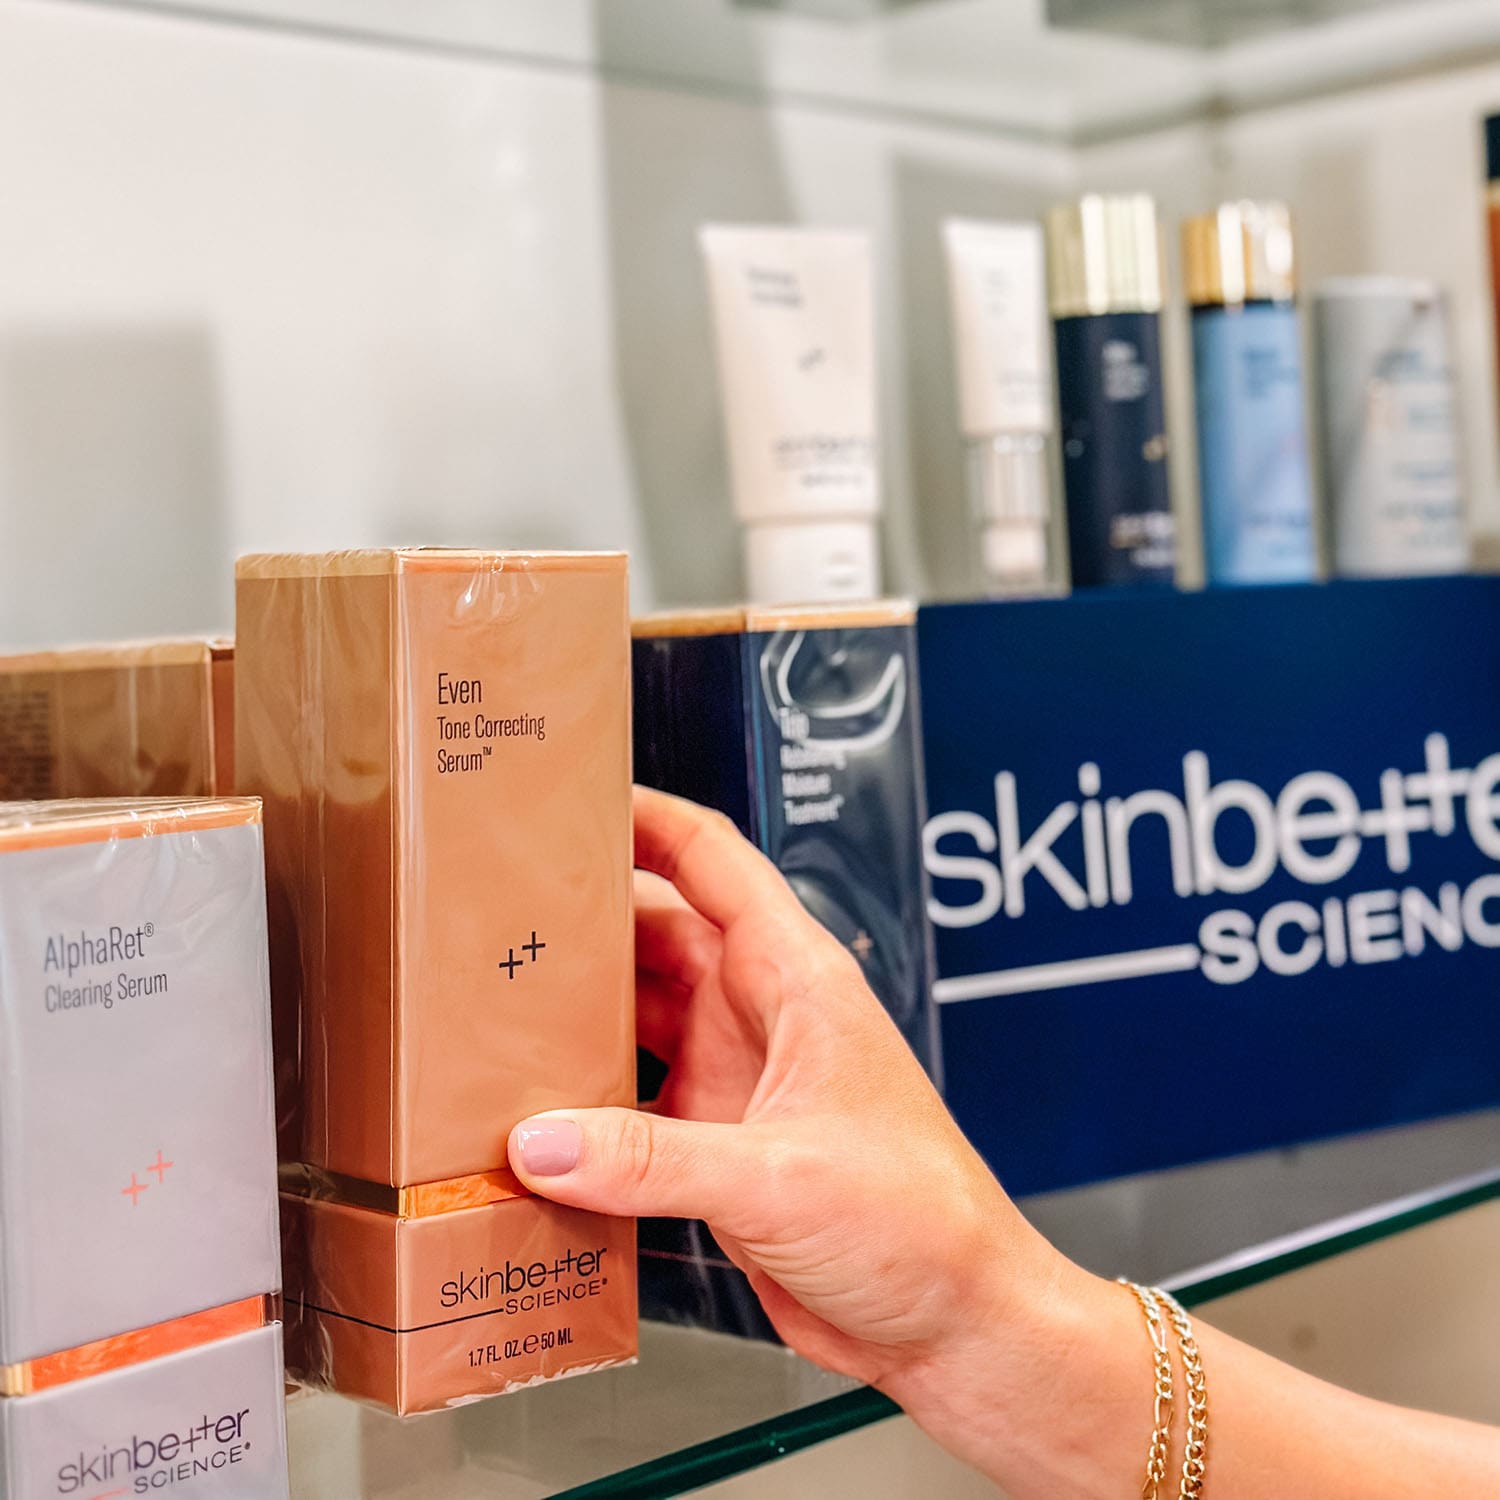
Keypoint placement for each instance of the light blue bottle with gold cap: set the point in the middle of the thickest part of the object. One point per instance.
(1253, 466)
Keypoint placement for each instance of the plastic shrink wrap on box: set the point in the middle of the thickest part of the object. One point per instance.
(127, 719)
(139, 1259)
(441, 740)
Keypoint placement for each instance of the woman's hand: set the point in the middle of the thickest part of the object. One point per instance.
(797, 1123)
(794, 1119)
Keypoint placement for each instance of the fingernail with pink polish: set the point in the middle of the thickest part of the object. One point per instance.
(548, 1147)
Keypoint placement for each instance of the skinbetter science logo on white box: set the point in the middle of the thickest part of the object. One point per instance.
(1205, 837)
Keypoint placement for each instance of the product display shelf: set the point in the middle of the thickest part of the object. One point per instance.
(1200, 23)
(1072, 71)
(701, 1407)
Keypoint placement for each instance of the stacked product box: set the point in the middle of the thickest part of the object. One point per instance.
(139, 1263)
(442, 742)
(131, 719)
(802, 726)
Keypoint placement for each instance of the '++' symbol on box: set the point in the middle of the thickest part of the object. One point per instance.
(161, 1166)
(510, 963)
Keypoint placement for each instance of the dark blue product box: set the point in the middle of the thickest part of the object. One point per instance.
(1213, 873)
(802, 726)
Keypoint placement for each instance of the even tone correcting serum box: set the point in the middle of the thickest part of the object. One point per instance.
(441, 740)
(128, 719)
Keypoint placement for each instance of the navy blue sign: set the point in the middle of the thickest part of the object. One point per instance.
(1245, 839)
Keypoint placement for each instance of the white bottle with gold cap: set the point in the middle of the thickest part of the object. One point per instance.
(1104, 257)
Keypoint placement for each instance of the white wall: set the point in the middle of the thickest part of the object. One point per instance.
(269, 289)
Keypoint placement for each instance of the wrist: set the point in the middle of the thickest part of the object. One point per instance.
(1045, 1384)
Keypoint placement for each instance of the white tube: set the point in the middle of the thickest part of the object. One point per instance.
(1001, 333)
(794, 321)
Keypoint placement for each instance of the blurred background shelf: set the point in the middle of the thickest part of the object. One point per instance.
(380, 270)
(1203, 23)
(1066, 71)
(1325, 1290)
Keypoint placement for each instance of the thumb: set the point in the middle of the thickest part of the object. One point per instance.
(623, 1161)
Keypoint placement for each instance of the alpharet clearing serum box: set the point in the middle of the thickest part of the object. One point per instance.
(206, 1423)
(442, 742)
(139, 1253)
(137, 1158)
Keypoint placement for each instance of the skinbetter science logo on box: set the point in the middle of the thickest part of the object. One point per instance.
(1252, 834)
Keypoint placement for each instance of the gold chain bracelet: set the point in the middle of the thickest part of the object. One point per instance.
(1161, 1360)
(1195, 1454)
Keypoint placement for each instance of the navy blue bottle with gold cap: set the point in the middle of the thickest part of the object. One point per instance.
(1106, 293)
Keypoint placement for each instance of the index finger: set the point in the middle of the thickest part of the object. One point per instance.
(716, 870)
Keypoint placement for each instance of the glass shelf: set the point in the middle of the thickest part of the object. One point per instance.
(1280, 1257)
(700, 1407)
(1159, 1226)
(1200, 23)
(1073, 72)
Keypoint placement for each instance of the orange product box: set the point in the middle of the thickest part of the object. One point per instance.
(127, 719)
(441, 741)
(425, 1312)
